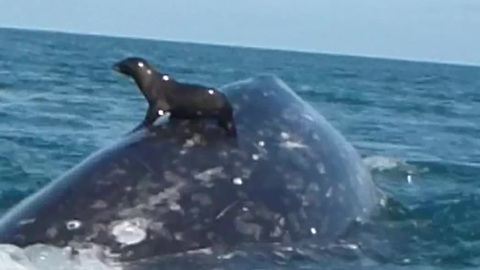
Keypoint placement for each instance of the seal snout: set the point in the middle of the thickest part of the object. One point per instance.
(116, 67)
(120, 68)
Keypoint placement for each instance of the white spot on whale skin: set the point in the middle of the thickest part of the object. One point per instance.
(238, 181)
(321, 168)
(210, 92)
(189, 143)
(175, 207)
(293, 145)
(308, 117)
(26, 221)
(284, 135)
(383, 202)
(165, 78)
(261, 143)
(73, 225)
(313, 231)
(224, 211)
(209, 174)
(329, 193)
(352, 246)
(129, 232)
(99, 205)
(52, 232)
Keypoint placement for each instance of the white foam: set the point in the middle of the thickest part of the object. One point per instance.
(381, 164)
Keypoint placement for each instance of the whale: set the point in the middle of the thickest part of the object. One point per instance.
(181, 185)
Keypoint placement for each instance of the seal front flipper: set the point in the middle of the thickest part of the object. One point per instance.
(150, 117)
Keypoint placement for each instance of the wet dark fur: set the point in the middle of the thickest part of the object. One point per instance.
(181, 100)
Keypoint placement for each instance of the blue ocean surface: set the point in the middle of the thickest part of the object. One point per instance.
(417, 126)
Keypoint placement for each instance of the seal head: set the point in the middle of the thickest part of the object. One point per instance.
(138, 69)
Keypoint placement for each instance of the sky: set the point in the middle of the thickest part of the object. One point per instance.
(422, 30)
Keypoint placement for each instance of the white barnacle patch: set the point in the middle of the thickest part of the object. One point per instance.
(129, 232)
(73, 225)
(210, 91)
(141, 64)
(237, 181)
(165, 78)
(313, 231)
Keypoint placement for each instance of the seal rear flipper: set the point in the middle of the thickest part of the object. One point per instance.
(225, 121)
(229, 127)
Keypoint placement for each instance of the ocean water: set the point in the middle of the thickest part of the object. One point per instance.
(416, 125)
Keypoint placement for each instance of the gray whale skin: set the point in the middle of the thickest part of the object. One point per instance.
(184, 185)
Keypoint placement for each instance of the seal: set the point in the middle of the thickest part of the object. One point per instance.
(165, 95)
(179, 187)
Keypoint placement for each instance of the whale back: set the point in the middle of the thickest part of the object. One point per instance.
(184, 185)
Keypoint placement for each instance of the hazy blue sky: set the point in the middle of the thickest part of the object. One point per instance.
(435, 30)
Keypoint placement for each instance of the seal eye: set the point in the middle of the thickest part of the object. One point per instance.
(165, 78)
(140, 64)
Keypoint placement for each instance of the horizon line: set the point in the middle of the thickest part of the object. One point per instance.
(230, 45)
